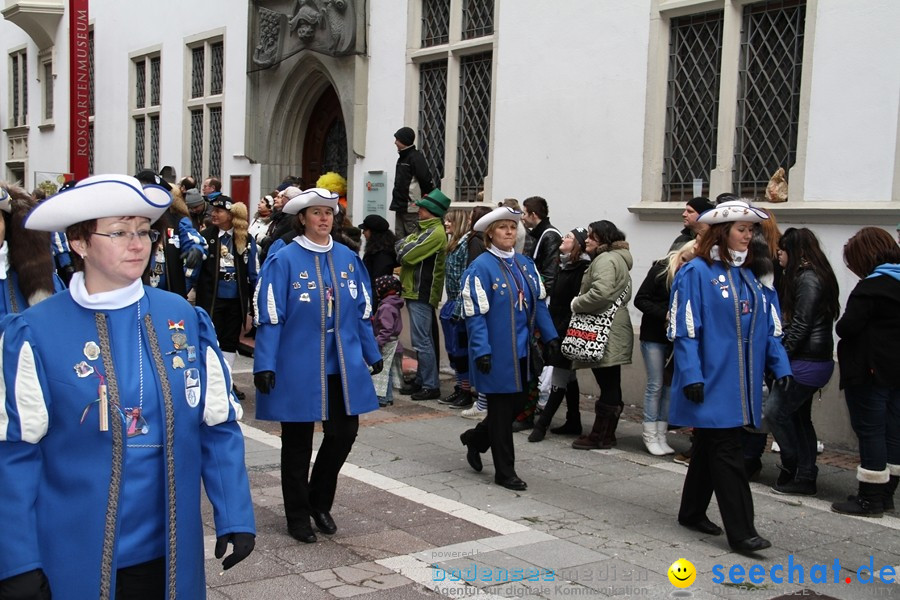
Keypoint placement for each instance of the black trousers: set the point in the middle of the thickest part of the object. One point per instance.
(609, 379)
(495, 432)
(146, 581)
(228, 319)
(304, 493)
(717, 466)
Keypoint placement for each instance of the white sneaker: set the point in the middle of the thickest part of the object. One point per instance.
(820, 447)
(775, 446)
(473, 413)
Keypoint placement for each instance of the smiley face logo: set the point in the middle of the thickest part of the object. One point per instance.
(682, 573)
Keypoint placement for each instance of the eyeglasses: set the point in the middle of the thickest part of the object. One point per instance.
(125, 237)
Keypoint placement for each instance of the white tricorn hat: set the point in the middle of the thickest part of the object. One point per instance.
(311, 197)
(97, 197)
(502, 213)
(5, 204)
(733, 210)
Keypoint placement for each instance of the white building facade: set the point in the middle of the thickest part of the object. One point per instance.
(610, 109)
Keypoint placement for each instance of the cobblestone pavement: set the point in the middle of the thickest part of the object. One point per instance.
(414, 521)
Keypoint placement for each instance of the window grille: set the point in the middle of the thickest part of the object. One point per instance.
(433, 116)
(771, 61)
(478, 18)
(474, 125)
(217, 63)
(24, 89)
(215, 141)
(48, 91)
(138, 144)
(154, 143)
(197, 67)
(154, 81)
(14, 64)
(197, 143)
(140, 84)
(692, 105)
(335, 151)
(435, 22)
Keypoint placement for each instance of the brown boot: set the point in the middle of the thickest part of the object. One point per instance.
(604, 419)
(612, 413)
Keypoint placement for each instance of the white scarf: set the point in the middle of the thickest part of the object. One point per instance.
(114, 299)
(501, 253)
(310, 245)
(737, 258)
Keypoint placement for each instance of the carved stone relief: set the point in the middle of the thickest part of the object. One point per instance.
(268, 45)
(326, 26)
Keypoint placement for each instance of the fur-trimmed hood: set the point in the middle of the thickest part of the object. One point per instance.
(29, 251)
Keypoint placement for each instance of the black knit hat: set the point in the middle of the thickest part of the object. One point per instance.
(386, 284)
(700, 204)
(406, 136)
(580, 234)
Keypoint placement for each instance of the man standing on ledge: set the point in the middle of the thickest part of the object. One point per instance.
(412, 181)
(421, 256)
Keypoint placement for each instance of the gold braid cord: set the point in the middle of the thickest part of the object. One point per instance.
(115, 478)
(170, 448)
(13, 303)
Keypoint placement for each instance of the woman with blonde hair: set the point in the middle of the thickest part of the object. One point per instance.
(456, 224)
(228, 275)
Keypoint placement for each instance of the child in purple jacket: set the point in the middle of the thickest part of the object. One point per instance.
(388, 324)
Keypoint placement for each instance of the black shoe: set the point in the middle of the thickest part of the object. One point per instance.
(245, 350)
(465, 400)
(704, 525)
(472, 455)
(796, 487)
(785, 475)
(523, 425)
(302, 532)
(240, 395)
(537, 434)
(751, 545)
(512, 483)
(324, 521)
(567, 428)
(426, 394)
(410, 388)
(452, 398)
(753, 467)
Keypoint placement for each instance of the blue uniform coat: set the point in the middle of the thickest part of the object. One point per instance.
(55, 463)
(706, 324)
(491, 309)
(292, 324)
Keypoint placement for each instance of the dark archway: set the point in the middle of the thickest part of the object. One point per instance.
(325, 143)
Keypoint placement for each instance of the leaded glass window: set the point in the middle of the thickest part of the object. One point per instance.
(154, 143)
(138, 144)
(197, 71)
(474, 125)
(217, 60)
(48, 91)
(478, 18)
(154, 81)
(18, 66)
(140, 84)
(433, 115)
(435, 22)
(215, 141)
(692, 104)
(197, 142)
(771, 61)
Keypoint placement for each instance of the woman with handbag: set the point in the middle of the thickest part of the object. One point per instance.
(574, 261)
(503, 302)
(726, 327)
(606, 288)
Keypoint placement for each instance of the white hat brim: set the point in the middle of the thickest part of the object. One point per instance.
(311, 197)
(98, 197)
(732, 211)
(501, 213)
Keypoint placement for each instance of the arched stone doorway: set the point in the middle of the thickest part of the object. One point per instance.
(325, 142)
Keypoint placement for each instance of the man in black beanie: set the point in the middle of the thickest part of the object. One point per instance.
(692, 211)
(412, 180)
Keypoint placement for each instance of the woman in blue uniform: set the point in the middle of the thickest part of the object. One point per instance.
(314, 345)
(503, 303)
(117, 406)
(726, 328)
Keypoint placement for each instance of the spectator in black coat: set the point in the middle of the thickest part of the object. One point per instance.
(412, 181)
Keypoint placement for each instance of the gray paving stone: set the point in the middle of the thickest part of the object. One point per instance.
(289, 587)
(556, 554)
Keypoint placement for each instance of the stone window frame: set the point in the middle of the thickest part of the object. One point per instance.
(651, 207)
(18, 87)
(453, 51)
(205, 103)
(142, 114)
(47, 78)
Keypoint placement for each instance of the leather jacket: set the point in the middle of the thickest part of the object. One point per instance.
(545, 256)
(808, 335)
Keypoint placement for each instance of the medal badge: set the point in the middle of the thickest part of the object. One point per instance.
(192, 387)
(191, 353)
(91, 350)
(83, 369)
(179, 340)
(177, 362)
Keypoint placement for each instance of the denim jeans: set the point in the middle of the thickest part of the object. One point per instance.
(789, 416)
(875, 417)
(421, 318)
(656, 394)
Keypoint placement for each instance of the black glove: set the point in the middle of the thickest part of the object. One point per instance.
(551, 350)
(242, 543)
(264, 381)
(377, 367)
(694, 392)
(32, 585)
(483, 363)
(785, 382)
(193, 258)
